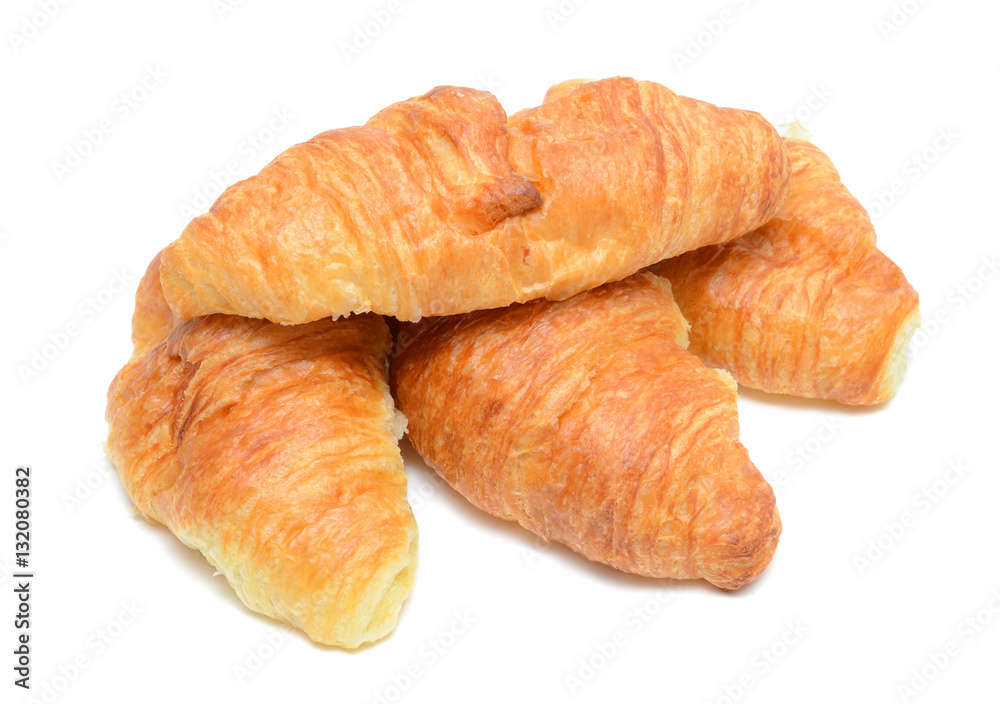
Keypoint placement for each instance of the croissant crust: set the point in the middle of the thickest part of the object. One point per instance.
(806, 305)
(587, 422)
(441, 205)
(272, 450)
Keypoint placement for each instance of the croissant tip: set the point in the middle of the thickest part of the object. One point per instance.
(894, 368)
(378, 611)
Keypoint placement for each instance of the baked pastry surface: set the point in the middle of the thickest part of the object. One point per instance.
(272, 450)
(806, 305)
(441, 205)
(589, 423)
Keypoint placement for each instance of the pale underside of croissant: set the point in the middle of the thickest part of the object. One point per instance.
(440, 205)
(272, 450)
(805, 305)
(588, 422)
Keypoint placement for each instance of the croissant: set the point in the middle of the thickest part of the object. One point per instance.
(565, 88)
(440, 205)
(588, 422)
(272, 450)
(805, 305)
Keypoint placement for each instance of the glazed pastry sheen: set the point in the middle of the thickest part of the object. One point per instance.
(272, 450)
(806, 305)
(440, 205)
(587, 422)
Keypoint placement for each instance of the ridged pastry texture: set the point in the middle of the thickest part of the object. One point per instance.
(565, 88)
(152, 319)
(806, 305)
(588, 422)
(273, 451)
(440, 205)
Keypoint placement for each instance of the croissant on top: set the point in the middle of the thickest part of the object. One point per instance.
(272, 450)
(806, 305)
(441, 205)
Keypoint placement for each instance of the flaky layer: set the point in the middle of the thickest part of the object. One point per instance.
(440, 205)
(806, 305)
(587, 422)
(272, 450)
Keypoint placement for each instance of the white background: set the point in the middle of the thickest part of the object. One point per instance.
(881, 93)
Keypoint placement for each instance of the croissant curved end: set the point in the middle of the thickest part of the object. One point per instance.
(186, 298)
(891, 375)
(747, 551)
(378, 610)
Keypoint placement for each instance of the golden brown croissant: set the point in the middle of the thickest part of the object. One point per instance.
(272, 450)
(152, 318)
(565, 88)
(806, 305)
(587, 422)
(438, 205)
